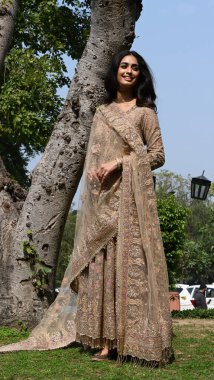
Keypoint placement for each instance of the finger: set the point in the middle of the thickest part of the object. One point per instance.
(100, 173)
(92, 175)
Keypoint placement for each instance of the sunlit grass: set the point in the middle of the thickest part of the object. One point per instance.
(193, 345)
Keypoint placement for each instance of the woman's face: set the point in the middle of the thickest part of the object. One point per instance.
(128, 72)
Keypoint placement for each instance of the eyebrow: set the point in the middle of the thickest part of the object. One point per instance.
(127, 63)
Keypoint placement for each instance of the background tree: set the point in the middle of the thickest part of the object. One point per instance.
(194, 260)
(168, 182)
(196, 264)
(212, 189)
(33, 71)
(173, 219)
(200, 250)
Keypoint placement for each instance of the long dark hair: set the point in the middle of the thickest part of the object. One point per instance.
(144, 89)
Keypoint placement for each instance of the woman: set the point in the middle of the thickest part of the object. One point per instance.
(118, 268)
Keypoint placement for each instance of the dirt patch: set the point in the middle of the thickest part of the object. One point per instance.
(194, 321)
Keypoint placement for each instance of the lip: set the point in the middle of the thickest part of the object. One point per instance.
(127, 78)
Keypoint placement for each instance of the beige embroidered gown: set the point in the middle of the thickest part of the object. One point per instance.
(125, 319)
(118, 265)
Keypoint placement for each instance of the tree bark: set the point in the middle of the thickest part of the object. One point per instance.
(56, 177)
(8, 13)
(12, 197)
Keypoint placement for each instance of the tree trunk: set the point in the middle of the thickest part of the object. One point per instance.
(56, 177)
(8, 13)
(12, 197)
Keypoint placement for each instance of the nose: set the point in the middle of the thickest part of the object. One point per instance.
(129, 69)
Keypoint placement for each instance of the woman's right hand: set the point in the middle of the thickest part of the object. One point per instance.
(93, 175)
(106, 169)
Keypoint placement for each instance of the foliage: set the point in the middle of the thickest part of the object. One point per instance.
(66, 246)
(201, 212)
(34, 70)
(40, 271)
(200, 250)
(173, 218)
(195, 313)
(192, 345)
(49, 27)
(29, 106)
(171, 183)
(196, 262)
(211, 192)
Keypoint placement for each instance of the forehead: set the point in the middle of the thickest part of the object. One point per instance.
(129, 59)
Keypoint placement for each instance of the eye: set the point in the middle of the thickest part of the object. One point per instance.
(135, 67)
(123, 65)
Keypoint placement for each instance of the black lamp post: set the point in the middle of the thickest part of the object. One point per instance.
(200, 187)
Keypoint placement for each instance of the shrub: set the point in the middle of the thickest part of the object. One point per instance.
(195, 313)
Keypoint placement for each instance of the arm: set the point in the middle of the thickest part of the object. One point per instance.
(203, 302)
(99, 172)
(152, 138)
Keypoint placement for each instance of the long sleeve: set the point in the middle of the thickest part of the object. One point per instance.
(200, 301)
(152, 138)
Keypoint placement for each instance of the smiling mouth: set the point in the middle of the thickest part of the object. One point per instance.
(127, 77)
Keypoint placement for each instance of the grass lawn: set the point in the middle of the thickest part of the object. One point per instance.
(193, 345)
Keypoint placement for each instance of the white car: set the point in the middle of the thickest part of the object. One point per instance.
(187, 294)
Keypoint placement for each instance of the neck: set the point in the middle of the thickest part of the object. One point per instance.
(123, 97)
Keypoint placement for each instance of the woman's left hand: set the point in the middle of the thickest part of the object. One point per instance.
(106, 169)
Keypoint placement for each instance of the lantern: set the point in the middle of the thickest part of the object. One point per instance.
(200, 187)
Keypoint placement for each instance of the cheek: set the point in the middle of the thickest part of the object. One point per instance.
(136, 78)
(119, 73)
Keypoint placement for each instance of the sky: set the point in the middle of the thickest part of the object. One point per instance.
(175, 37)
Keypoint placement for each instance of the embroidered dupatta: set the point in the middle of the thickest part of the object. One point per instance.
(104, 213)
(137, 178)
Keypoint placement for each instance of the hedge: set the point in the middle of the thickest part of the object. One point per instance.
(195, 313)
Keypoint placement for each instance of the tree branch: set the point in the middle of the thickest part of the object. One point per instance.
(8, 13)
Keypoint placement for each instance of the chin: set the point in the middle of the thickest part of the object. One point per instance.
(126, 85)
